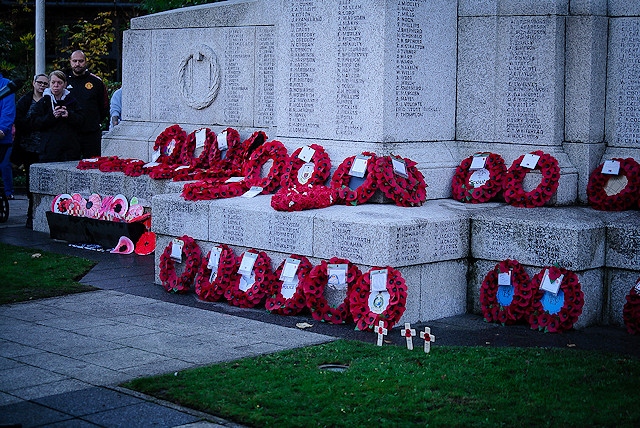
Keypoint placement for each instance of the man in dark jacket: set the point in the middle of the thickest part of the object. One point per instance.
(91, 93)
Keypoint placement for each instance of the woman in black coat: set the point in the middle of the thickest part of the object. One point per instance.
(57, 116)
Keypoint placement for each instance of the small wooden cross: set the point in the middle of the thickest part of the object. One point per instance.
(408, 333)
(428, 338)
(381, 331)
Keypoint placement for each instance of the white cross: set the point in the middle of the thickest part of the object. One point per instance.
(381, 331)
(408, 333)
(428, 338)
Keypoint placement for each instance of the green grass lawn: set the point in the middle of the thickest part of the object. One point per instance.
(27, 274)
(391, 386)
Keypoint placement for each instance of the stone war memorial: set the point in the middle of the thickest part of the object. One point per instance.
(544, 94)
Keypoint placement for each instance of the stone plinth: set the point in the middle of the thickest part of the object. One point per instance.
(620, 282)
(623, 240)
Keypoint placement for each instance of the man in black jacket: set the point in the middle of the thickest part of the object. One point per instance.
(91, 93)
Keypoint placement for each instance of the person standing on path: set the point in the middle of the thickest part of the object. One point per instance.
(7, 116)
(91, 93)
(116, 108)
(27, 141)
(58, 116)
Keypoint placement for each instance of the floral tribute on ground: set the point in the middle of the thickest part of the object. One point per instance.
(303, 197)
(405, 188)
(566, 307)
(626, 198)
(315, 285)
(291, 303)
(631, 309)
(367, 317)
(210, 286)
(469, 185)
(514, 305)
(514, 193)
(248, 292)
(193, 258)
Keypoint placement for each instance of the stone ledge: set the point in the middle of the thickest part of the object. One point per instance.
(371, 234)
(572, 237)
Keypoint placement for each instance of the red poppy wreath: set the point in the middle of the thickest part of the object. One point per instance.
(170, 281)
(248, 291)
(410, 191)
(479, 185)
(196, 164)
(287, 297)
(211, 288)
(631, 309)
(205, 190)
(597, 192)
(368, 302)
(555, 314)
(272, 151)
(169, 143)
(509, 303)
(303, 197)
(362, 193)
(298, 172)
(315, 286)
(514, 193)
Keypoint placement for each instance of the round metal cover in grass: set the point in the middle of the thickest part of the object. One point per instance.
(334, 367)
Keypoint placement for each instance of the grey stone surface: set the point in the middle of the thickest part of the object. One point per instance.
(624, 8)
(571, 237)
(588, 7)
(443, 289)
(140, 136)
(623, 241)
(512, 7)
(586, 157)
(381, 235)
(49, 178)
(586, 54)
(623, 88)
(172, 215)
(511, 79)
(619, 284)
(385, 79)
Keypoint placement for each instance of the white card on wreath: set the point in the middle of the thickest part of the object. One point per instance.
(170, 147)
(155, 155)
(214, 258)
(530, 161)
(234, 179)
(176, 249)
(181, 167)
(150, 164)
(479, 177)
(201, 136)
(222, 141)
(504, 278)
(611, 167)
(551, 286)
(246, 265)
(290, 268)
(305, 172)
(378, 301)
(478, 162)
(306, 153)
(399, 167)
(252, 192)
(637, 286)
(359, 166)
(379, 280)
(246, 281)
(90, 160)
(337, 276)
(289, 286)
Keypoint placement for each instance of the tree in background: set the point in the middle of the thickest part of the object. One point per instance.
(154, 6)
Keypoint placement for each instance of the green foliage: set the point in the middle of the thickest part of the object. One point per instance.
(94, 38)
(27, 274)
(154, 6)
(392, 386)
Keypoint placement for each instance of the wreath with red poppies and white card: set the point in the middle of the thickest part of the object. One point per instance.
(251, 281)
(336, 277)
(287, 296)
(215, 273)
(506, 293)
(514, 193)
(173, 253)
(401, 181)
(631, 309)
(379, 295)
(478, 178)
(614, 185)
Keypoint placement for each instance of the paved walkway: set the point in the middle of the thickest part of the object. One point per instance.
(61, 359)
